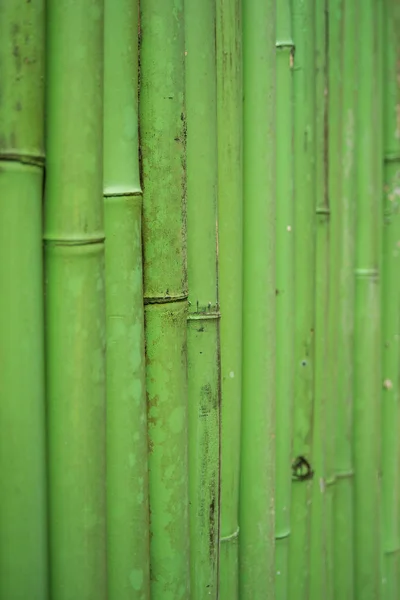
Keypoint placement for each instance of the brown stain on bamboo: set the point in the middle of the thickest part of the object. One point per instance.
(208, 404)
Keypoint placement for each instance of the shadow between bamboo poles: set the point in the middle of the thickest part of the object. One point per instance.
(343, 540)
(257, 484)
(367, 377)
(163, 139)
(230, 231)
(203, 318)
(284, 292)
(127, 461)
(23, 535)
(74, 288)
(303, 28)
(319, 575)
(390, 305)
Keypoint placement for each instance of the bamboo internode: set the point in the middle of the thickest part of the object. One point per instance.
(199, 300)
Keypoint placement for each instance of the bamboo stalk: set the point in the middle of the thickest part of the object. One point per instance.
(163, 133)
(367, 377)
(257, 485)
(319, 575)
(75, 313)
(23, 535)
(203, 318)
(303, 26)
(343, 394)
(334, 67)
(390, 305)
(127, 473)
(230, 231)
(284, 292)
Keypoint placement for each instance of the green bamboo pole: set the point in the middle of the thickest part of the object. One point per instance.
(203, 318)
(257, 485)
(334, 83)
(367, 379)
(343, 389)
(75, 312)
(127, 474)
(319, 574)
(23, 537)
(304, 228)
(390, 305)
(284, 292)
(230, 231)
(163, 138)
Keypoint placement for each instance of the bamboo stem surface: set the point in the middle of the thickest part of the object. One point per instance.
(163, 152)
(285, 305)
(203, 317)
(367, 376)
(75, 300)
(303, 27)
(390, 306)
(127, 461)
(23, 506)
(230, 233)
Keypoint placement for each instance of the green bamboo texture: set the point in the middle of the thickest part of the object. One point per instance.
(344, 315)
(23, 536)
(127, 473)
(230, 232)
(257, 486)
(390, 305)
(367, 376)
(75, 299)
(163, 140)
(319, 558)
(203, 318)
(333, 175)
(303, 28)
(285, 306)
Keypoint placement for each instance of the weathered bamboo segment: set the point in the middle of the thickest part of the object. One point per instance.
(163, 133)
(75, 312)
(319, 575)
(304, 234)
(203, 318)
(284, 292)
(367, 376)
(230, 231)
(390, 306)
(127, 472)
(342, 320)
(257, 486)
(23, 536)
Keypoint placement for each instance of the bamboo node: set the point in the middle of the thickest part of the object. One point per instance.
(232, 536)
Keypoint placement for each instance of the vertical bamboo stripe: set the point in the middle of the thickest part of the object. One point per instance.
(127, 469)
(303, 23)
(285, 300)
(367, 377)
(230, 232)
(75, 299)
(204, 317)
(390, 306)
(23, 535)
(163, 141)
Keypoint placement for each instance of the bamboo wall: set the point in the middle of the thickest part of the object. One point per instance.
(199, 300)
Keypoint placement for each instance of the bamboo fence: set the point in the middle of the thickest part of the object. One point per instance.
(199, 300)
